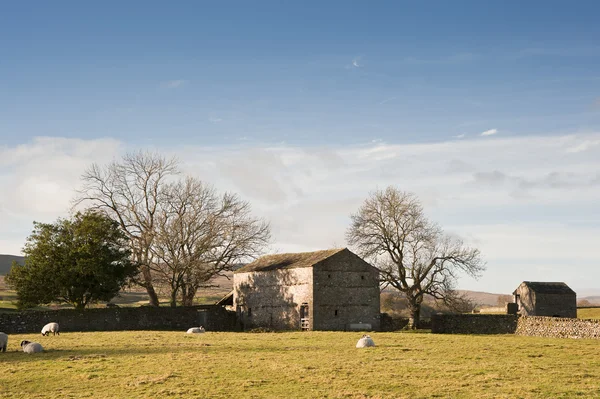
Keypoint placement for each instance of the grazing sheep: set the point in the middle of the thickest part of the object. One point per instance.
(196, 330)
(3, 341)
(365, 342)
(50, 328)
(31, 347)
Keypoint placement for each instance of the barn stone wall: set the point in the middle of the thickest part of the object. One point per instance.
(555, 305)
(272, 299)
(533, 303)
(346, 294)
(213, 318)
(537, 326)
(525, 300)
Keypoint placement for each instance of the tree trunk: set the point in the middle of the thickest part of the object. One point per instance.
(152, 295)
(188, 296)
(183, 294)
(415, 314)
(173, 301)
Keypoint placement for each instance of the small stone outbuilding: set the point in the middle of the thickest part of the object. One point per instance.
(545, 299)
(323, 290)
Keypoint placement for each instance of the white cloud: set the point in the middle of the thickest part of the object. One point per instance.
(38, 179)
(583, 146)
(460, 136)
(489, 132)
(499, 194)
(173, 84)
(356, 62)
(214, 120)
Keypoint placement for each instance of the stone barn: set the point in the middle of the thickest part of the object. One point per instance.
(545, 299)
(323, 290)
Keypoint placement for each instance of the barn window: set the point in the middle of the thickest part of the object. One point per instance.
(336, 312)
(329, 276)
(362, 277)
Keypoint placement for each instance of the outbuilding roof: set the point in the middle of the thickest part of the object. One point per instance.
(288, 261)
(548, 287)
(226, 300)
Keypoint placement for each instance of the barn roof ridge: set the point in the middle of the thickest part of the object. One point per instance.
(549, 287)
(290, 260)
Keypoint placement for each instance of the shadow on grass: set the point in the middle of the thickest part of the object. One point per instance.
(86, 355)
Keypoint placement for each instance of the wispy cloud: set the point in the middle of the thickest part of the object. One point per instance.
(214, 120)
(387, 100)
(483, 190)
(460, 136)
(173, 84)
(356, 62)
(583, 146)
(489, 132)
(580, 51)
(457, 58)
(553, 180)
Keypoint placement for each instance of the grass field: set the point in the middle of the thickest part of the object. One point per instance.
(220, 286)
(588, 313)
(299, 365)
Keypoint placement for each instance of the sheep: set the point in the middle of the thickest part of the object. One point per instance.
(196, 330)
(50, 328)
(365, 342)
(3, 341)
(31, 347)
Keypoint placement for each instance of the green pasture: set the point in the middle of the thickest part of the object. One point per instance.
(588, 313)
(299, 365)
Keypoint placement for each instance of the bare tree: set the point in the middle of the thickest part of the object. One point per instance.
(411, 253)
(200, 235)
(503, 300)
(129, 191)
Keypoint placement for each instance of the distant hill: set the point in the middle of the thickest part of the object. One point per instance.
(593, 300)
(6, 262)
(482, 298)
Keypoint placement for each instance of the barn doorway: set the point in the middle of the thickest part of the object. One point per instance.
(304, 317)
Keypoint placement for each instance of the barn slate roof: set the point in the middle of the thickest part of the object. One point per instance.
(226, 300)
(288, 261)
(549, 287)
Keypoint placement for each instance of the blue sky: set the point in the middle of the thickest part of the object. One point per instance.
(369, 94)
(280, 71)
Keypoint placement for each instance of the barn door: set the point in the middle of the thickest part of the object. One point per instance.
(304, 317)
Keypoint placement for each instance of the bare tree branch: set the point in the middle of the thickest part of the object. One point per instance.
(412, 254)
(200, 235)
(129, 191)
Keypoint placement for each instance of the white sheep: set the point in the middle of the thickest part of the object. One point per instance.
(31, 347)
(50, 328)
(3, 341)
(365, 342)
(196, 330)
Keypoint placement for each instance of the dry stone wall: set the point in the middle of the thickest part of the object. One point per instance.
(213, 318)
(390, 323)
(558, 327)
(537, 326)
(473, 324)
